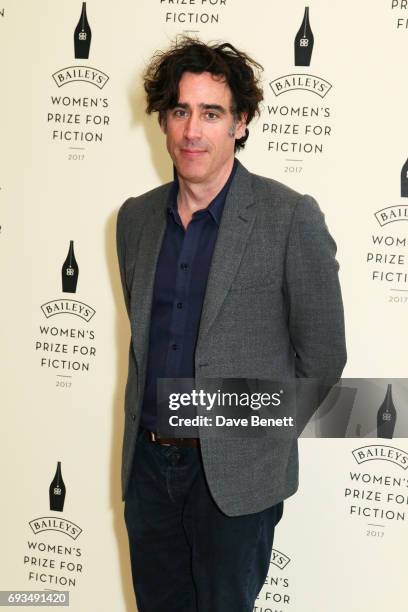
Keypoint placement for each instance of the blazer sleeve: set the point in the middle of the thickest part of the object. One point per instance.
(121, 251)
(316, 318)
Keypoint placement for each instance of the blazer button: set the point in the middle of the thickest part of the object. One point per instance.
(133, 416)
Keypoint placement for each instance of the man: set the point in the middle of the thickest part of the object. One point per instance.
(225, 274)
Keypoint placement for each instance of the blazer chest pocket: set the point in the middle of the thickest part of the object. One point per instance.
(255, 278)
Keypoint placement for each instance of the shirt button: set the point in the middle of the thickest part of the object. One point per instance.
(179, 305)
(174, 347)
(184, 266)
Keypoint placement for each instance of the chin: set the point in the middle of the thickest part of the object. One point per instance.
(190, 173)
(193, 177)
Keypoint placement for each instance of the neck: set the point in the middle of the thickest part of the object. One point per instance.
(195, 196)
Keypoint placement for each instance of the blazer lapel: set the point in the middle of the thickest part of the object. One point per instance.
(143, 279)
(236, 223)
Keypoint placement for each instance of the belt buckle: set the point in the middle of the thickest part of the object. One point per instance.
(154, 438)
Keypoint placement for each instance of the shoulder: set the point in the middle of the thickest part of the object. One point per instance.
(287, 201)
(137, 207)
(265, 187)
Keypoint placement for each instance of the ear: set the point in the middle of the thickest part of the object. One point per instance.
(241, 126)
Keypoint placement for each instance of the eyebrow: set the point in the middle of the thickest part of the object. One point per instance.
(203, 106)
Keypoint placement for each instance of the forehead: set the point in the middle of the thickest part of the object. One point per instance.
(204, 88)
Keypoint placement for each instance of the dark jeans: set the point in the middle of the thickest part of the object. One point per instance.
(186, 555)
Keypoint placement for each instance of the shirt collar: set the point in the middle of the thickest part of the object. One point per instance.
(215, 207)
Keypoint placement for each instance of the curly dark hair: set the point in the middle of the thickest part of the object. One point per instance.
(186, 54)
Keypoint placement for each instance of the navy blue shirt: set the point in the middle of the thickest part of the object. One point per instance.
(178, 294)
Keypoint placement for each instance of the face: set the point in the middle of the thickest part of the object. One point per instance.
(201, 129)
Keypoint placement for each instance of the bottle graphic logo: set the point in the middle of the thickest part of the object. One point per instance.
(304, 41)
(57, 491)
(386, 416)
(404, 180)
(82, 36)
(70, 271)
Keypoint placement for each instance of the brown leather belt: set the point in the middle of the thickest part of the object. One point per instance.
(182, 442)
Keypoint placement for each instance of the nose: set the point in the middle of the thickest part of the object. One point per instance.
(192, 127)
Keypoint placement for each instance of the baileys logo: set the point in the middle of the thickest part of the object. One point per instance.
(380, 452)
(303, 47)
(85, 74)
(73, 307)
(52, 523)
(69, 278)
(307, 82)
(82, 45)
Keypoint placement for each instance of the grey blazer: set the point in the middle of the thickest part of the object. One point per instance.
(272, 310)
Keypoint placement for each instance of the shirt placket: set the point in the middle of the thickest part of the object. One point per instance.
(182, 297)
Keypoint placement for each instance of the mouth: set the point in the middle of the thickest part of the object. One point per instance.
(192, 152)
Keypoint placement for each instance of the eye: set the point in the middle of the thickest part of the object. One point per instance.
(179, 112)
(211, 115)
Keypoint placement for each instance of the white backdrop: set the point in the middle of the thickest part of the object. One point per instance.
(74, 144)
